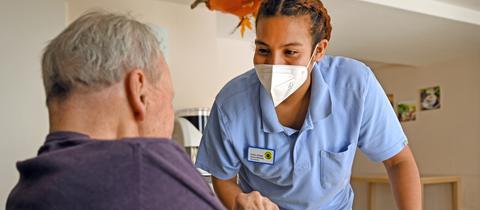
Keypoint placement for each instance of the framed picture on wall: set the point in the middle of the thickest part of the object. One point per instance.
(430, 98)
(407, 111)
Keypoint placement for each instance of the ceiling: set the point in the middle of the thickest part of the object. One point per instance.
(180, 1)
(374, 32)
(471, 4)
(367, 30)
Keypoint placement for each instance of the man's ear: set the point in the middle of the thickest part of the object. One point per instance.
(321, 50)
(135, 86)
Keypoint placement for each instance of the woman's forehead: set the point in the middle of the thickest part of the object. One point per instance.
(284, 30)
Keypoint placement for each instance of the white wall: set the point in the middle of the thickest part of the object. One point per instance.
(25, 28)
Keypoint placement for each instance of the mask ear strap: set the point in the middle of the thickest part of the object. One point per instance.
(313, 55)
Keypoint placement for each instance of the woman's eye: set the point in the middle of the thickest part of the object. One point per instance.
(263, 51)
(291, 52)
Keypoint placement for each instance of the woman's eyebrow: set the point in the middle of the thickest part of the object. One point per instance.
(258, 42)
(293, 44)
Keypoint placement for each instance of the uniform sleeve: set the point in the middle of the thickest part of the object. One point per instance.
(381, 135)
(216, 154)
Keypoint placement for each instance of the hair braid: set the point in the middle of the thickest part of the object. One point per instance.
(321, 22)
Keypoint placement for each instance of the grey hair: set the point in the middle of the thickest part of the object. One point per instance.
(96, 51)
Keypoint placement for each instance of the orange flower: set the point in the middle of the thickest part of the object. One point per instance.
(244, 9)
(236, 7)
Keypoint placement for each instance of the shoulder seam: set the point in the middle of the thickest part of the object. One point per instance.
(226, 123)
(138, 157)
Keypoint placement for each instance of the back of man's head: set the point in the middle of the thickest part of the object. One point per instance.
(107, 68)
(95, 51)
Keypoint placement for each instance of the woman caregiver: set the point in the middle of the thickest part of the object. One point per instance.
(289, 128)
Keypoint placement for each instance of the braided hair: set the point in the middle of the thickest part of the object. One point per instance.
(321, 23)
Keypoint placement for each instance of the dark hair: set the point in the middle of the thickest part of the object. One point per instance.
(321, 26)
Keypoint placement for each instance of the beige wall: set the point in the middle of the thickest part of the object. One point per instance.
(200, 62)
(25, 27)
(445, 141)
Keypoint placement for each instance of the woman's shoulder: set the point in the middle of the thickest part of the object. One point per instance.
(345, 65)
(340, 72)
(239, 88)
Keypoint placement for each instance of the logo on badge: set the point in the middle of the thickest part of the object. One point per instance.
(268, 155)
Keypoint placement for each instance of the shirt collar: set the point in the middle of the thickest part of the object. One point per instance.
(62, 139)
(65, 135)
(319, 108)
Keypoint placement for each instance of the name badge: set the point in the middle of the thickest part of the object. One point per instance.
(261, 155)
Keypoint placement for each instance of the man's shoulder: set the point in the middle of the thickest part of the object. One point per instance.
(164, 165)
(97, 154)
(124, 174)
(157, 145)
(164, 153)
(162, 157)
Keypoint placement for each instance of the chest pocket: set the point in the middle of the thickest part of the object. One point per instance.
(336, 167)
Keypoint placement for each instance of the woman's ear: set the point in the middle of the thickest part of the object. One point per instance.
(135, 86)
(321, 49)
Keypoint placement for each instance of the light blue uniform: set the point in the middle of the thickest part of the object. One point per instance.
(311, 167)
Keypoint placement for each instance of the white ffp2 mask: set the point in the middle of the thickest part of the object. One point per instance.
(281, 81)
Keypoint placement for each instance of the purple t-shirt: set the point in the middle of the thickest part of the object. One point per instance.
(74, 172)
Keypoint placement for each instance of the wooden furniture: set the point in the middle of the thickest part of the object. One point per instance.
(371, 181)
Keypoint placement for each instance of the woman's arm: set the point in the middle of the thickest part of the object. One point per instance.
(232, 196)
(226, 190)
(405, 180)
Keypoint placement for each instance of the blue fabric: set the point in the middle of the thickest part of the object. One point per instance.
(348, 109)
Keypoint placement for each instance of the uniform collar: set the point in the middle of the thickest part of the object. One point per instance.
(321, 102)
(319, 108)
(270, 122)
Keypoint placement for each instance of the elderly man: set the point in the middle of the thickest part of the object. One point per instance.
(109, 97)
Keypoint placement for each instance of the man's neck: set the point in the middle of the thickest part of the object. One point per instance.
(90, 115)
